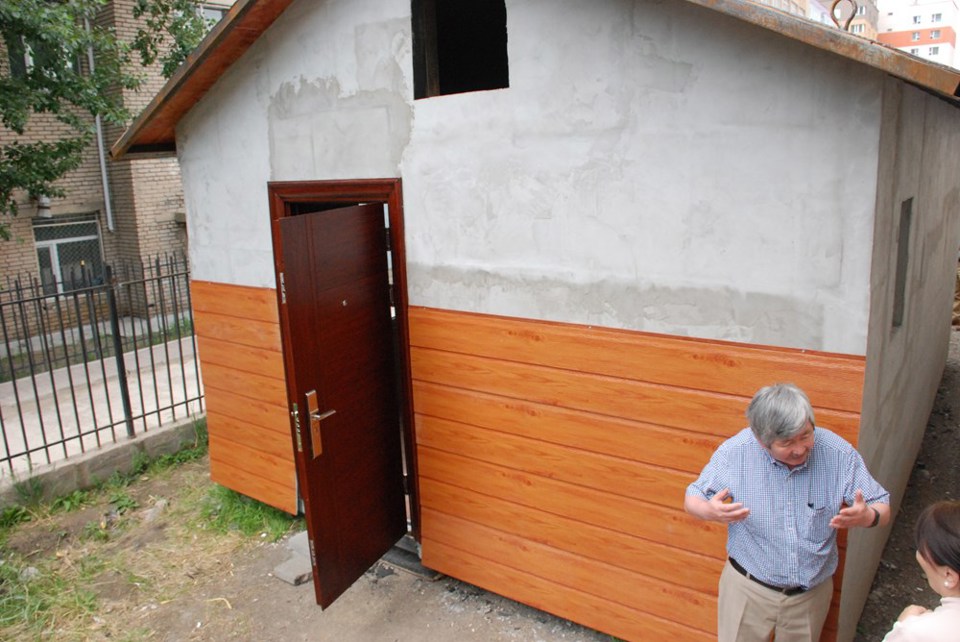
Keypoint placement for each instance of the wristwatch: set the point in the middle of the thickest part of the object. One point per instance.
(876, 517)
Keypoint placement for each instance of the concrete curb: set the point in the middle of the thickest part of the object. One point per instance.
(86, 470)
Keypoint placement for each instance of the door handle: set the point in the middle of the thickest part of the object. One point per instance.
(313, 411)
(320, 416)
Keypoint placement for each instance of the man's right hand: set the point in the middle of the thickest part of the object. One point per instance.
(718, 508)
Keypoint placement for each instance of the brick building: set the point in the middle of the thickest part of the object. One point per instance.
(113, 210)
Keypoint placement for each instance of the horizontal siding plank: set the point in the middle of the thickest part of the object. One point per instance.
(604, 581)
(239, 479)
(263, 465)
(238, 333)
(244, 302)
(545, 445)
(598, 613)
(277, 444)
(264, 335)
(693, 410)
(731, 368)
(241, 358)
(601, 472)
(246, 384)
(270, 416)
(634, 554)
(628, 515)
(574, 428)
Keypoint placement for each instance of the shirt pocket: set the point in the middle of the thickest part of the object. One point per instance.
(817, 516)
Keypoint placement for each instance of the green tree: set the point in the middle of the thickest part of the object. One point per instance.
(49, 44)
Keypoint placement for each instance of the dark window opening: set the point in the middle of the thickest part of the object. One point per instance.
(459, 46)
(903, 256)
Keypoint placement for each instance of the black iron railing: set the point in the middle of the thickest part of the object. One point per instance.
(88, 361)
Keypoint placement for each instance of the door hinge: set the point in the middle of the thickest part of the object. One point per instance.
(296, 427)
(283, 290)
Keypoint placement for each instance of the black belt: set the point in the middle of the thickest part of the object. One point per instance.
(789, 590)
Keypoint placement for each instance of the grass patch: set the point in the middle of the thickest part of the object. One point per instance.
(70, 576)
(225, 510)
(29, 491)
(71, 501)
(35, 597)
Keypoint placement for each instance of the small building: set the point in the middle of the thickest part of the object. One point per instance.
(505, 275)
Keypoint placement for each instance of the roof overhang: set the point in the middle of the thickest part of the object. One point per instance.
(153, 132)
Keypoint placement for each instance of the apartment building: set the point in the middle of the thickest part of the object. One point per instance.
(863, 22)
(112, 210)
(794, 7)
(923, 28)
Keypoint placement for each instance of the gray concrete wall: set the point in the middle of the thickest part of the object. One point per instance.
(653, 166)
(920, 146)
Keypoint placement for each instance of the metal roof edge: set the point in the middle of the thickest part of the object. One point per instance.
(938, 78)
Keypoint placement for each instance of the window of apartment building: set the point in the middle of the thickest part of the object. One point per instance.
(933, 51)
(213, 13)
(459, 46)
(856, 28)
(915, 36)
(861, 10)
(25, 55)
(916, 20)
(935, 33)
(69, 253)
(915, 51)
(937, 17)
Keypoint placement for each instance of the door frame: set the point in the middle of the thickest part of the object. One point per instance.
(387, 191)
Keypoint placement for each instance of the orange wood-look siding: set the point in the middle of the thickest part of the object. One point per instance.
(553, 460)
(238, 333)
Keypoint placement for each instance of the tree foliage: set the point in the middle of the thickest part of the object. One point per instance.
(172, 29)
(49, 44)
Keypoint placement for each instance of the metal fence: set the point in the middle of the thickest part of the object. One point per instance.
(93, 359)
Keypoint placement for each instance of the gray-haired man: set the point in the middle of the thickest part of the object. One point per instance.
(784, 487)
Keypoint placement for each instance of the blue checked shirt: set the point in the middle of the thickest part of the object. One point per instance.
(786, 540)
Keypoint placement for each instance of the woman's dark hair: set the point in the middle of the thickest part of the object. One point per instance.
(938, 534)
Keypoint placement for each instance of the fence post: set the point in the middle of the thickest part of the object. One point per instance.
(118, 352)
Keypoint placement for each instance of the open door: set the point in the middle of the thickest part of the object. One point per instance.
(341, 357)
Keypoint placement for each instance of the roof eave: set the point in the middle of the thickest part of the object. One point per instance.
(153, 131)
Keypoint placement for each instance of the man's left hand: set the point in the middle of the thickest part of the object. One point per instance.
(860, 514)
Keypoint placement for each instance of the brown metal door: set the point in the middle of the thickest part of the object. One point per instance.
(340, 342)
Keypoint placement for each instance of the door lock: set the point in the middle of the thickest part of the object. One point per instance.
(313, 411)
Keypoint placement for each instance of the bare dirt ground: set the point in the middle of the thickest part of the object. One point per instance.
(159, 577)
